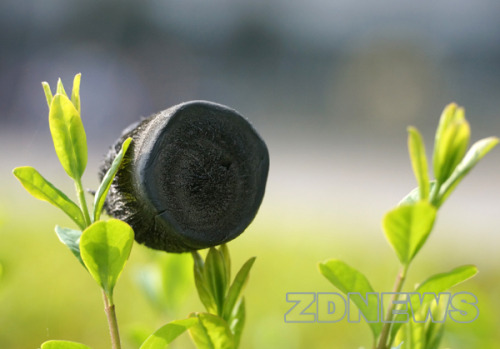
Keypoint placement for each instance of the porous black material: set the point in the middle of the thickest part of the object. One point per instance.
(194, 177)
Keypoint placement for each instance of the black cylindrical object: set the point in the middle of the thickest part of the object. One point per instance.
(193, 177)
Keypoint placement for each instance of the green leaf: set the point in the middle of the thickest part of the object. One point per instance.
(201, 284)
(473, 156)
(350, 280)
(435, 331)
(42, 189)
(434, 341)
(212, 332)
(57, 344)
(166, 334)
(71, 238)
(68, 134)
(75, 93)
(446, 118)
(437, 284)
(407, 228)
(48, 93)
(215, 276)
(410, 332)
(442, 282)
(60, 88)
(102, 191)
(452, 139)
(455, 143)
(416, 335)
(237, 321)
(419, 161)
(227, 260)
(236, 289)
(105, 247)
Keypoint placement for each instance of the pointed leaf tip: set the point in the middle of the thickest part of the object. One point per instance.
(349, 280)
(236, 290)
(48, 93)
(75, 93)
(102, 191)
(60, 88)
(418, 159)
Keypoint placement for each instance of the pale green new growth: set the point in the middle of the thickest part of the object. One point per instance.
(436, 284)
(71, 238)
(211, 331)
(60, 88)
(105, 247)
(75, 93)
(452, 139)
(42, 189)
(475, 153)
(235, 291)
(54, 344)
(224, 302)
(419, 161)
(102, 191)
(48, 93)
(408, 226)
(202, 285)
(350, 280)
(68, 134)
(215, 275)
(168, 333)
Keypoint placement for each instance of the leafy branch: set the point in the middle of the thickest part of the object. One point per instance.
(407, 228)
(102, 247)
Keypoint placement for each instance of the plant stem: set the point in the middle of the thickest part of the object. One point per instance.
(388, 319)
(83, 202)
(435, 195)
(109, 308)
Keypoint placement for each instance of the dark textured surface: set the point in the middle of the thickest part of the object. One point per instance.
(194, 177)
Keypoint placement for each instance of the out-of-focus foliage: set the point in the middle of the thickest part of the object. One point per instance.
(32, 312)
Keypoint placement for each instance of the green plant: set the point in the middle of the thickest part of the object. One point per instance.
(407, 228)
(103, 246)
(222, 323)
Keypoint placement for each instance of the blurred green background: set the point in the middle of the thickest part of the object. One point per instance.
(331, 87)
